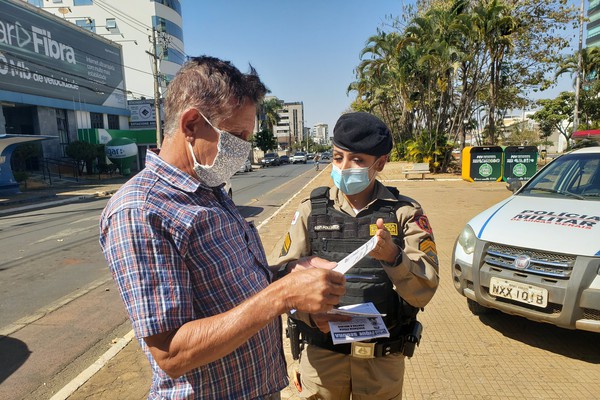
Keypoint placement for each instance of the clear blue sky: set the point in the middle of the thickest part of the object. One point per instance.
(304, 50)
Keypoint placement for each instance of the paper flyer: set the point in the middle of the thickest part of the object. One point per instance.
(366, 325)
(351, 259)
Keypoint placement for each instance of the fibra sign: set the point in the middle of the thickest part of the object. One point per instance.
(45, 56)
(40, 39)
(41, 42)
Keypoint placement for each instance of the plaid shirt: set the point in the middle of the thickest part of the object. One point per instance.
(180, 251)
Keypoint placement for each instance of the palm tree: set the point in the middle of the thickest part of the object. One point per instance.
(269, 113)
(590, 66)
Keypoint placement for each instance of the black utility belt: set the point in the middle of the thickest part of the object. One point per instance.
(365, 349)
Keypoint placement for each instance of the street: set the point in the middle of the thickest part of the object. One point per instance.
(59, 308)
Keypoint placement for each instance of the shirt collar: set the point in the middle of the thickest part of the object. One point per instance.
(172, 175)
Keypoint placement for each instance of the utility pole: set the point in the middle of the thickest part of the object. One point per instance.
(579, 62)
(156, 77)
(304, 128)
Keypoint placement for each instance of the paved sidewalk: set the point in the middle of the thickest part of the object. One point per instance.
(461, 356)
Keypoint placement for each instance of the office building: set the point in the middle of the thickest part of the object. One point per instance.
(131, 23)
(321, 134)
(593, 24)
(56, 78)
(289, 130)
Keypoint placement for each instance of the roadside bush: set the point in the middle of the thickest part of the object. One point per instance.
(20, 176)
(24, 156)
(84, 153)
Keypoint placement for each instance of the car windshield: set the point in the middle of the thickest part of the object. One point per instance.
(572, 175)
(299, 154)
(270, 155)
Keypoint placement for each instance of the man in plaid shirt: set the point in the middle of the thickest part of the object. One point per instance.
(191, 271)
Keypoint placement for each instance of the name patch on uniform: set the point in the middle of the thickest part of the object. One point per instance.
(423, 223)
(287, 242)
(427, 246)
(392, 228)
(327, 228)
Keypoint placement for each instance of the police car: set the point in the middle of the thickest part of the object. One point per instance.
(537, 253)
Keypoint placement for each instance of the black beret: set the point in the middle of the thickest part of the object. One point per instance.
(361, 132)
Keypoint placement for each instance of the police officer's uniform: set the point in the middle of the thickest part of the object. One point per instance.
(414, 278)
(326, 225)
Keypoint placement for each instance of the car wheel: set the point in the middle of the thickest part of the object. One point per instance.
(476, 308)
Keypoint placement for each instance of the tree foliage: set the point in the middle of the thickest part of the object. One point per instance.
(448, 63)
(265, 140)
(23, 153)
(556, 115)
(84, 153)
(269, 113)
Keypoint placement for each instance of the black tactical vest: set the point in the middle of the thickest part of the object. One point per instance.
(334, 234)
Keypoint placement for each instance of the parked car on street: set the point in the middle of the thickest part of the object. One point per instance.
(247, 167)
(537, 253)
(325, 157)
(270, 159)
(284, 159)
(310, 156)
(299, 157)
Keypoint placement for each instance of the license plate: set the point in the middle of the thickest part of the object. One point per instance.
(520, 292)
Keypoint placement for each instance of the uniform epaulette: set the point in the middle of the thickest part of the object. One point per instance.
(401, 198)
(320, 192)
(411, 201)
(319, 198)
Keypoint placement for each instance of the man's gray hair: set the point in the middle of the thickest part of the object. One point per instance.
(214, 87)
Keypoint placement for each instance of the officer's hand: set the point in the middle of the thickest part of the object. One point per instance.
(321, 320)
(311, 262)
(385, 250)
(313, 290)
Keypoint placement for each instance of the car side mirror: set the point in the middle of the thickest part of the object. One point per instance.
(513, 184)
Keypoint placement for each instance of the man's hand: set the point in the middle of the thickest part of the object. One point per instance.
(322, 320)
(385, 250)
(311, 262)
(313, 290)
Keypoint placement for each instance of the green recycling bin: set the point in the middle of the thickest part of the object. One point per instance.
(520, 162)
(482, 163)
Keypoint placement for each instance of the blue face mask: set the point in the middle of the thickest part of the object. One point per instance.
(351, 180)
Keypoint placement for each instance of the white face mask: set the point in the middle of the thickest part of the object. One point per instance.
(232, 153)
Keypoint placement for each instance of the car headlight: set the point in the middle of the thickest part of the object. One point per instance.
(466, 239)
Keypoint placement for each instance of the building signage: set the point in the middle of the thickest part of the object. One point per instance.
(142, 113)
(44, 56)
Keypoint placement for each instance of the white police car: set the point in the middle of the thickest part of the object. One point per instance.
(537, 253)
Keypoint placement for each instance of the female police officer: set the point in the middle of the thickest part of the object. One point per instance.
(399, 276)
